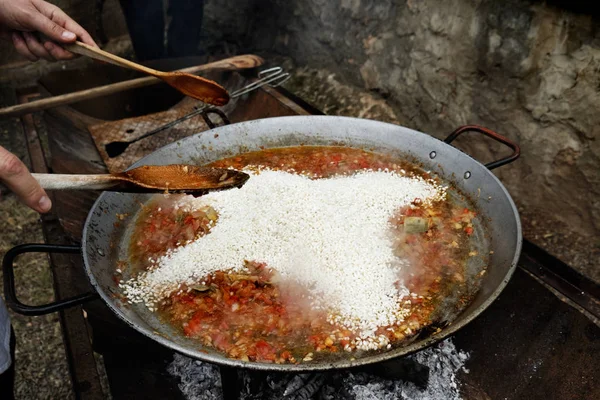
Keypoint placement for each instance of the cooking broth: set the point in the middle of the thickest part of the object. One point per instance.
(254, 316)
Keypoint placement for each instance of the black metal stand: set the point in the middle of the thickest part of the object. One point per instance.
(230, 381)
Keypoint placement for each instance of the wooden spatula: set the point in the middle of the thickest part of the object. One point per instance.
(174, 178)
(191, 85)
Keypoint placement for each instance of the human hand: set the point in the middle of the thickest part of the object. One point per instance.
(23, 18)
(14, 174)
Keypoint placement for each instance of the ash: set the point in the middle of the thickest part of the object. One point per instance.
(201, 381)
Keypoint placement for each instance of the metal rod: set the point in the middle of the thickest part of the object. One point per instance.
(272, 76)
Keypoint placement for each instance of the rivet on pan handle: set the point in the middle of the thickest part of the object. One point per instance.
(9, 280)
(497, 137)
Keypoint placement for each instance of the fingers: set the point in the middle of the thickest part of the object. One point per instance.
(18, 179)
(59, 17)
(35, 47)
(74, 27)
(29, 46)
(57, 52)
(40, 22)
(21, 46)
(53, 23)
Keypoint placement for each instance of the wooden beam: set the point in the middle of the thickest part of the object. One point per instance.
(76, 337)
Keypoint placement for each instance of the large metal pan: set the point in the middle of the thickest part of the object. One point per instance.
(101, 237)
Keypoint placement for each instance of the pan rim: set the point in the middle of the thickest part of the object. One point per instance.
(323, 366)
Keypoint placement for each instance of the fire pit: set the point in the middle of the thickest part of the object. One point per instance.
(526, 322)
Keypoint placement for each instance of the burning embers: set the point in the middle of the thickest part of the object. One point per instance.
(429, 374)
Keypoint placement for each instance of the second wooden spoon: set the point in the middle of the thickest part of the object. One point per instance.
(191, 85)
(175, 178)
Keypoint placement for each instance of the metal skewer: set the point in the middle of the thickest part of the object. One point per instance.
(273, 77)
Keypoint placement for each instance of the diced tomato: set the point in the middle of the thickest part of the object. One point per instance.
(245, 292)
(315, 339)
(411, 239)
(193, 325)
(265, 299)
(469, 230)
(221, 342)
(186, 298)
(264, 350)
(223, 325)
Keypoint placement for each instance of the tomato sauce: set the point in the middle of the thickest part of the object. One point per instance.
(252, 317)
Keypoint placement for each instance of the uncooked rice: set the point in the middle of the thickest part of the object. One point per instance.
(330, 235)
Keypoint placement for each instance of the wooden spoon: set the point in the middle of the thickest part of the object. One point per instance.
(174, 178)
(235, 63)
(191, 85)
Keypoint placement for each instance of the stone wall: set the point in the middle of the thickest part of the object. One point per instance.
(523, 68)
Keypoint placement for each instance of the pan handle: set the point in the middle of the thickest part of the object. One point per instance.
(497, 137)
(9, 280)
